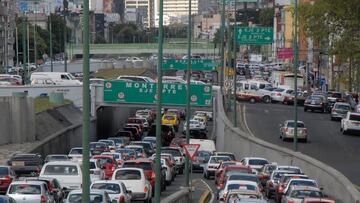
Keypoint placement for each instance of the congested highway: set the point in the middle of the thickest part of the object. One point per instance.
(325, 143)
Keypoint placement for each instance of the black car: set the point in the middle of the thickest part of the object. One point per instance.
(96, 148)
(316, 103)
(149, 150)
(167, 133)
(26, 164)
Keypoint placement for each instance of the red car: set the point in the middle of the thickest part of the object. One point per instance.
(108, 164)
(146, 164)
(7, 175)
(318, 200)
(238, 168)
(245, 96)
(222, 166)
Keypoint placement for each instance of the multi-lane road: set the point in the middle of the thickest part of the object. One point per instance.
(326, 143)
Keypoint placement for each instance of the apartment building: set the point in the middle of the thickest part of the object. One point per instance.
(143, 10)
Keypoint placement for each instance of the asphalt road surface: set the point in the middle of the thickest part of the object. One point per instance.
(325, 142)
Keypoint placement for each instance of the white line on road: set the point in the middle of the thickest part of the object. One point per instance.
(246, 125)
(212, 192)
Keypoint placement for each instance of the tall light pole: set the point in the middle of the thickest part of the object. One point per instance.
(24, 41)
(296, 64)
(235, 109)
(188, 108)
(34, 35)
(86, 106)
(65, 41)
(158, 104)
(222, 38)
(50, 39)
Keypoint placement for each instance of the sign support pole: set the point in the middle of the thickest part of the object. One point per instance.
(188, 107)
(235, 109)
(51, 47)
(86, 105)
(296, 64)
(158, 105)
(24, 41)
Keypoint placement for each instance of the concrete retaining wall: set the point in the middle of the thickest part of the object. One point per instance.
(179, 197)
(242, 144)
(17, 120)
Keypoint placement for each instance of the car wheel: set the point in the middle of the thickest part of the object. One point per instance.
(252, 100)
(332, 118)
(344, 132)
(283, 138)
(266, 99)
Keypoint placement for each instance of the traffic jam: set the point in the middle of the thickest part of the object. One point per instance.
(122, 167)
(271, 83)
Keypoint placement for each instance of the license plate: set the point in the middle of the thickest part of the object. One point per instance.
(18, 163)
(313, 102)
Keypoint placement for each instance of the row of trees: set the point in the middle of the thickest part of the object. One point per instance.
(42, 37)
(335, 26)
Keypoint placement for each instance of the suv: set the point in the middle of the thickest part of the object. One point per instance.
(350, 123)
(26, 164)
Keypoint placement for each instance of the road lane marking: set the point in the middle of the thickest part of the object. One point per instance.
(357, 187)
(246, 125)
(209, 188)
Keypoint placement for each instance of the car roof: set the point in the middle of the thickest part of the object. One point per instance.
(259, 158)
(292, 121)
(32, 182)
(91, 191)
(107, 181)
(241, 182)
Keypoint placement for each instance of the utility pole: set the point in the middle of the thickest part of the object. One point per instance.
(65, 41)
(6, 42)
(28, 43)
(86, 105)
(24, 41)
(296, 64)
(222, 38)
(188, 107)
(158, 104)
(35, 44)
(17, 45)
(235, 109)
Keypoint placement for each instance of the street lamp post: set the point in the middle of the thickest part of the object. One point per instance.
(222, 45)
(296, 64)
(50, 43)
(188, 107)
(235, 109)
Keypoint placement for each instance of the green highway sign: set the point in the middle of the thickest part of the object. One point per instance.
(196, 64)
(145, 93)
(254, 35)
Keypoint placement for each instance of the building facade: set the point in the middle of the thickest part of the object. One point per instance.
(140, 11)
(7, 33)
(206, 25)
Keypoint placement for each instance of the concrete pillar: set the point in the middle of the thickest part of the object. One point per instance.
(5, 132)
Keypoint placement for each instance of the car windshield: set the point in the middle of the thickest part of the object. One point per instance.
(193, 122)
(292, 125)
(342, 107)
(128, 175)
(103, 161)
(169, 117)
(77, 198)
(354, 117)
(64, 170)
(258, 162)
(173, 152)
(76, 151)
(219, 159)
(240, 186)
(57, 157)
(143, 165)
(107, 186)
(108, 142)
(92, 165)
(302, 183)
(278, 90)
(4, 171)
(305, 193)
(25, 189)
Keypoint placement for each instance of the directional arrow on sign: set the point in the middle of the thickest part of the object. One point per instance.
(191, 150)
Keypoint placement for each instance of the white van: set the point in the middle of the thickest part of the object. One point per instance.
(59, 78)
(205, 145)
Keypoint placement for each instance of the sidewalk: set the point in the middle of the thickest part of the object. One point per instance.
(7, 150)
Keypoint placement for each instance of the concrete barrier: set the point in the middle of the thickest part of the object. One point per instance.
(242, 144)
(178, 197)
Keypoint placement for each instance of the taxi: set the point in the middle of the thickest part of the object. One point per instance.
(172, 120)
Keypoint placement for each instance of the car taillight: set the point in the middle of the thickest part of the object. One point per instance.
(153, 175)
(43, 199)
(280, 189)
(291, 201)
(122, 199)
(7, 179)
(146, 189)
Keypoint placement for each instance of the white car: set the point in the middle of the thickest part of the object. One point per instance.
(351, 123)
(135, 181)
(143, 114)
(168, 172)
(75, 154)
(208, 113)
(255, 163)
(96, 173)
(116, 190)
(194, 125)
(300, 182)
(201, 120)
(98, 196)
(29, 192)
(278, 95)
(213, 164)
(237, 185)
(68, 173)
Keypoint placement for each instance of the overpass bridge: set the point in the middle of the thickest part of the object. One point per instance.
(140, 48)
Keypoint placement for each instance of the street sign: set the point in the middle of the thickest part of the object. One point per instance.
(285, 53)
(145, 93)
(191, 150)
(196, 64)
(254, 35)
